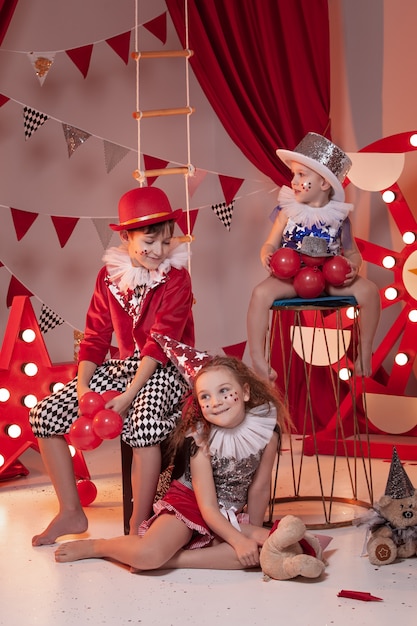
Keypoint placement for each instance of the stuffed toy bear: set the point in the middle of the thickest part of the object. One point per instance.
(392, 525)
(290, 551)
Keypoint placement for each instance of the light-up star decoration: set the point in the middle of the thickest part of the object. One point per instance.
(26, 375)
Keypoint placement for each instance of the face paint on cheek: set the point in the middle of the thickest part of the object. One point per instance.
(306, 186)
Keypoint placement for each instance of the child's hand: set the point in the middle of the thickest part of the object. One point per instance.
(351, 275)
(266, 260)
(247, 551)
(120, 404)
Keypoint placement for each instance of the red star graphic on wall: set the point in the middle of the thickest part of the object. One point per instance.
(18, 387)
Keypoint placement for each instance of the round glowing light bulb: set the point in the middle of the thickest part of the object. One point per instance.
(30, 369)
(2, 460)
(351, 313)
(345, 373)
(412, 316)
(14, 431)
(56, 387)
(401, 358)
(28, 335)
(388, 196)
(391, 293)
(29, 401)
(413, 140)
(72, 450)
(4, 394)
(388, 262)
(409, 237)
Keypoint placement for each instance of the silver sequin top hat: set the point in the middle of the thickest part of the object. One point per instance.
(398, 484)
(321, 156)
(314, 246)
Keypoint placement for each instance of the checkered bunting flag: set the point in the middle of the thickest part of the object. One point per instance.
(224, 212)
(48, 319)
(32, 119)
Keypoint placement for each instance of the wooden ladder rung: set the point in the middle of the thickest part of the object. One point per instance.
(163, 112)
(162, 54)
(165, 171)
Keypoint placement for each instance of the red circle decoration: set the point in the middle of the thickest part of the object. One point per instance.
(82, 435)
(87, 492)
(109, 395)
(309, 282)
(335, 270)
(90, 403)
(285, 262)
(107, 424)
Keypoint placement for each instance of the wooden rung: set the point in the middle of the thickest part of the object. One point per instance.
(163, 112)
(165, 171)
(162, 54)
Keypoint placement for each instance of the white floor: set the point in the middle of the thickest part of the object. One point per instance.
(35, 590)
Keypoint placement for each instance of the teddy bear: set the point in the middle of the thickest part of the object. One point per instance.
(392, 524)
(290, 551)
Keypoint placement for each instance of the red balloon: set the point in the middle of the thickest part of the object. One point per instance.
(82, 435)
(107, 424)
(285, 262)
(109, 395)
(313, 261)
(309, 282)
(335, 270)
(87, 492)
(90, 403)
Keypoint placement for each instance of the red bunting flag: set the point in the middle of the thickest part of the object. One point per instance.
(81, 57)
(64, 227)
(236, 349)
(230, 186)
(22, 221)
(121, 45)
(16, 288)
(182, 221)
(3, 99)
(152, 163)
(158, 27)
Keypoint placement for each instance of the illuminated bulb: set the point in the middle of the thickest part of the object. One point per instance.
(30, 369)
(54, 387)
(1, 460)
(401, 358)
(28, 335)
(344, 373)
(4, 394)
(409, 237)
(29, 401)
(14, 431)
(412, 316)
(391, 293)
(72, 450)
(351, 313)
(388, 262)
(413, 140)
(388, 196)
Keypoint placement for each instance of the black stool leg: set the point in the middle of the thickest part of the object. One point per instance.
(126, 452)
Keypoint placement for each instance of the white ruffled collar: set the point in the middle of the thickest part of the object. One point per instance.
(125, 276)
(249, 437)
(332, 213)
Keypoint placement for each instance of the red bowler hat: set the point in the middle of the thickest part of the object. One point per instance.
(142, 207)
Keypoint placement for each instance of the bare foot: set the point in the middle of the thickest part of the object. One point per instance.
(363, 365)
(75, 550)
(69, 523)
(264, 370)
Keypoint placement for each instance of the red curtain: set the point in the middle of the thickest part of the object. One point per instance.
(7, 8)
(264, 67)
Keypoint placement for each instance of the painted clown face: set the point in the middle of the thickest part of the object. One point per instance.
(308, 186)
(147, 249)
(221, 397)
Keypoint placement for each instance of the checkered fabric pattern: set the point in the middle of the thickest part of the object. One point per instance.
(224, 212)
(49, 319)
(32, 120)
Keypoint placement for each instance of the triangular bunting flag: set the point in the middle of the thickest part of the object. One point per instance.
(48, 319)
(41, 63)
(158, 27)
(230, 186)
(195, 181)
(113, 154)
(182, 221)
(152, 163)
(236, 350)
(81, 57)
(32, 119)
(224, 212)
(16, 289)
(22, 221)
(74, 137)
(103, 230)
(64, 227)
(3, 99)
(121, 45)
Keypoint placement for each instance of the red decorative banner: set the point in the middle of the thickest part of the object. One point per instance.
(22, 221)
(3, 99)
(121, 45)
(152, 163)
(64, 227)
(158, 27)
(81, 57)
(236, 349)
(182, 221)
(16, 288)
(230, 186)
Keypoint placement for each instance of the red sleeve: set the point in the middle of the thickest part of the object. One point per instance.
(98, 327)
